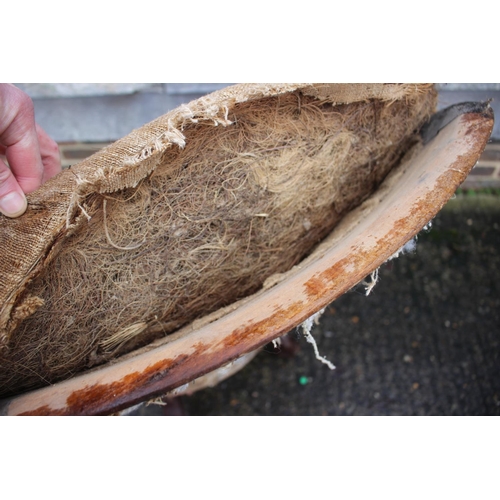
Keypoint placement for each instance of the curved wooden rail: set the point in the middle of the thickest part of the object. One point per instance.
(404, 204)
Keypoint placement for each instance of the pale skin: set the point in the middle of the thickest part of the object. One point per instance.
(32, 157)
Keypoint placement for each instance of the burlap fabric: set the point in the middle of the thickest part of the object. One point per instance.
(187, 214)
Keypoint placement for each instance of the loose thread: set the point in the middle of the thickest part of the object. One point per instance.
(306, 330)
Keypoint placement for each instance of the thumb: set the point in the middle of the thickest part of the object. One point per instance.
(12, 200)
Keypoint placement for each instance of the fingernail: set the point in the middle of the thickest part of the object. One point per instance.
(13, 204)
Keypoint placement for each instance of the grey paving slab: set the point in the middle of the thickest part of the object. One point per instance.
(104, 118)
(468, 86)
(42, 90)
(193, 88)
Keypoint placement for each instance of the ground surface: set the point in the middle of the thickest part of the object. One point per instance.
(425, 342)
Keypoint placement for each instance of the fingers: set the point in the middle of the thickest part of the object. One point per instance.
(12, 200)
(49, 151)
(33, 157)
(19, 137)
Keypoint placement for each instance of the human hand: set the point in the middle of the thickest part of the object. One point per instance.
(32, 155)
